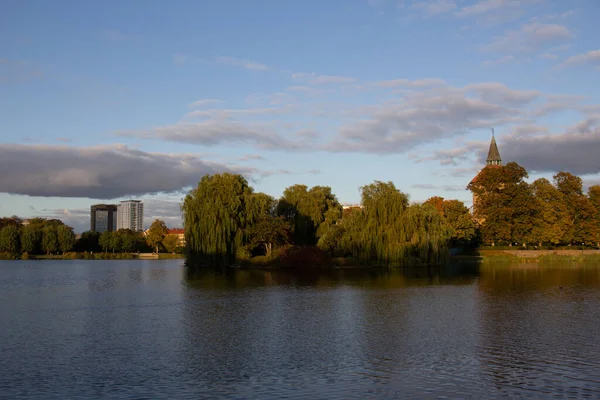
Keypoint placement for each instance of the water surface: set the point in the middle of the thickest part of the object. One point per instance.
(146, 329)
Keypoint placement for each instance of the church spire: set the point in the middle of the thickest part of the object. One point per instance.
(493, 157)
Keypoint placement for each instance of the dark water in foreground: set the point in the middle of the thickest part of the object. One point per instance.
(142, 329)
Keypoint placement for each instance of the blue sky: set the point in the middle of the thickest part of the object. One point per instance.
(112, 100)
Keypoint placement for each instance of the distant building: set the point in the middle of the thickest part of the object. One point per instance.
(103, 218)
(130, 215)
(180, 233)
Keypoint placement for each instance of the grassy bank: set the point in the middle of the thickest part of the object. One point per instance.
(87, 256)
(530, 256)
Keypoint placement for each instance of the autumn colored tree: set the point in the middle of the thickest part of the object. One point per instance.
(552, 219)
(156, 233)
(594, 198)
(505, 204)
(437, 202)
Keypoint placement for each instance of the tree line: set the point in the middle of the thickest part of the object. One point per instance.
(226, 221)
(510, 210)
(40, 236)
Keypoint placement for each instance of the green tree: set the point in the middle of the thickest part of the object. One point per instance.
(14, 220)
(156, 233)
(460, 220)
(115, 242)
(388, 231)
(130, 240)
(10, 239)
(170, 243)
(269, 231)
(31, 239)
(88, 242)
(310, 212)
(65, 237)
(105, 240)
(50, 240)
(216, 216)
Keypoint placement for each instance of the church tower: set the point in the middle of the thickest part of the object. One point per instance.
(493, 161)
(493, 157)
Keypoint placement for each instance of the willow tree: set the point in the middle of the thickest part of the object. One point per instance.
(310, 212)
(217, 214)
(390, 232)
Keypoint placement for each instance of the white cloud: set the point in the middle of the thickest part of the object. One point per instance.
(315, 79)
(417, 83)
(531, 37)
(434, 7)
(218, 132)
(204, 102)
(500, 61)
(592, 57)
(237, 62)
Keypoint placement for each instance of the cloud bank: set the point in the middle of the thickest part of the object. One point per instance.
(100, 172)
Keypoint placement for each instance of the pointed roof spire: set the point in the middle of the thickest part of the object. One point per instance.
(493, 157)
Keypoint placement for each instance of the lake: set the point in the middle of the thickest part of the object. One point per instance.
(147, 329)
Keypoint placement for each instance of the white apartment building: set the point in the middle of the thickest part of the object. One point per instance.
(130, 215)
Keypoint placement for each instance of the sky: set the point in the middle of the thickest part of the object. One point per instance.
(112, 100)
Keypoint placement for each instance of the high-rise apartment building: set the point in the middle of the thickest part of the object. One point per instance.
(103, 217)
(130, 215)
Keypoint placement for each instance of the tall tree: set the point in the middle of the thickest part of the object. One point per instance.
(389, 231)
(10, 239)
(581, 212)
(31, 239)
(170, 243)
(129, 240)
(105, 240)
(65, 238)
(88, 242)
(505, 204)
(594, 198)
(216, 216)
(310, 212)
(552, 219)
(460, 220)
(156, 233)
(50, 240)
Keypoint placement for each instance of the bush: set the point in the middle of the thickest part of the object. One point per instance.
(300, 257)
(70, 256)
(25, 256)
